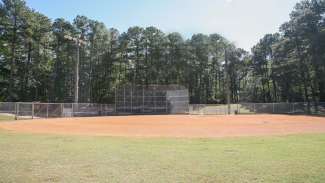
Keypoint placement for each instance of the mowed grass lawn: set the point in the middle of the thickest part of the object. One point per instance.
(48, 158)
(6, 118)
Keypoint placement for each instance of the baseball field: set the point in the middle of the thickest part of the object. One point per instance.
(251, 148)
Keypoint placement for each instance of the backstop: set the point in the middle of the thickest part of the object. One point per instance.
(151, 99)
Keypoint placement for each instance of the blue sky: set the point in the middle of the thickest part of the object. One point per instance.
(243, 22)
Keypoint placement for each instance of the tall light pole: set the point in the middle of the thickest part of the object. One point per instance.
(78, 41)
(227, 80)
(223, 43)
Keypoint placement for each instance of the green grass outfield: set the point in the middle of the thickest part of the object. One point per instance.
(50, 158)
(6, 118)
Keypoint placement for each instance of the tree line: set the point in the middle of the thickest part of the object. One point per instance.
(37, 61)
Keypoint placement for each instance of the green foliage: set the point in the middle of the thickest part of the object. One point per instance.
(290, 66)
(37, 61)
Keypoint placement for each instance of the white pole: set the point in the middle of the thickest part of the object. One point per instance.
(76, 92)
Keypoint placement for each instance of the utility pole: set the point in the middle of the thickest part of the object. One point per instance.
(78, 41)
(227, 81)
(76, 85)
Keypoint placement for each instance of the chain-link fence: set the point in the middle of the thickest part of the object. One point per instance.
(212, 109)
(24, 110)
(173, 103)
(129, 99)
(8, 107)
(152, 99)
(259, 108)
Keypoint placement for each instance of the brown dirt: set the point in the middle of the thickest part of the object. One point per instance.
(173, 126)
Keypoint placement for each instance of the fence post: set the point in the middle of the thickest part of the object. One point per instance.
(33, 108)
(62, 115)
(293, 108)
(47, 110)
(166, 104)
(124, 99)
(72, 112)
(272, 108)
(131, 99)
(142, 99)
(16, 110)
(154, 100)
(115, 109)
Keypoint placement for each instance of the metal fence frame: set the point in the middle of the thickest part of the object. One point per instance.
(151, 99)
(29, 110)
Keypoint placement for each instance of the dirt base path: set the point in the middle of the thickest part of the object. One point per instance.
(173, 126)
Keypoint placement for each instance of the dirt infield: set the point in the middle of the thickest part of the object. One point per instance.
(173, 126)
